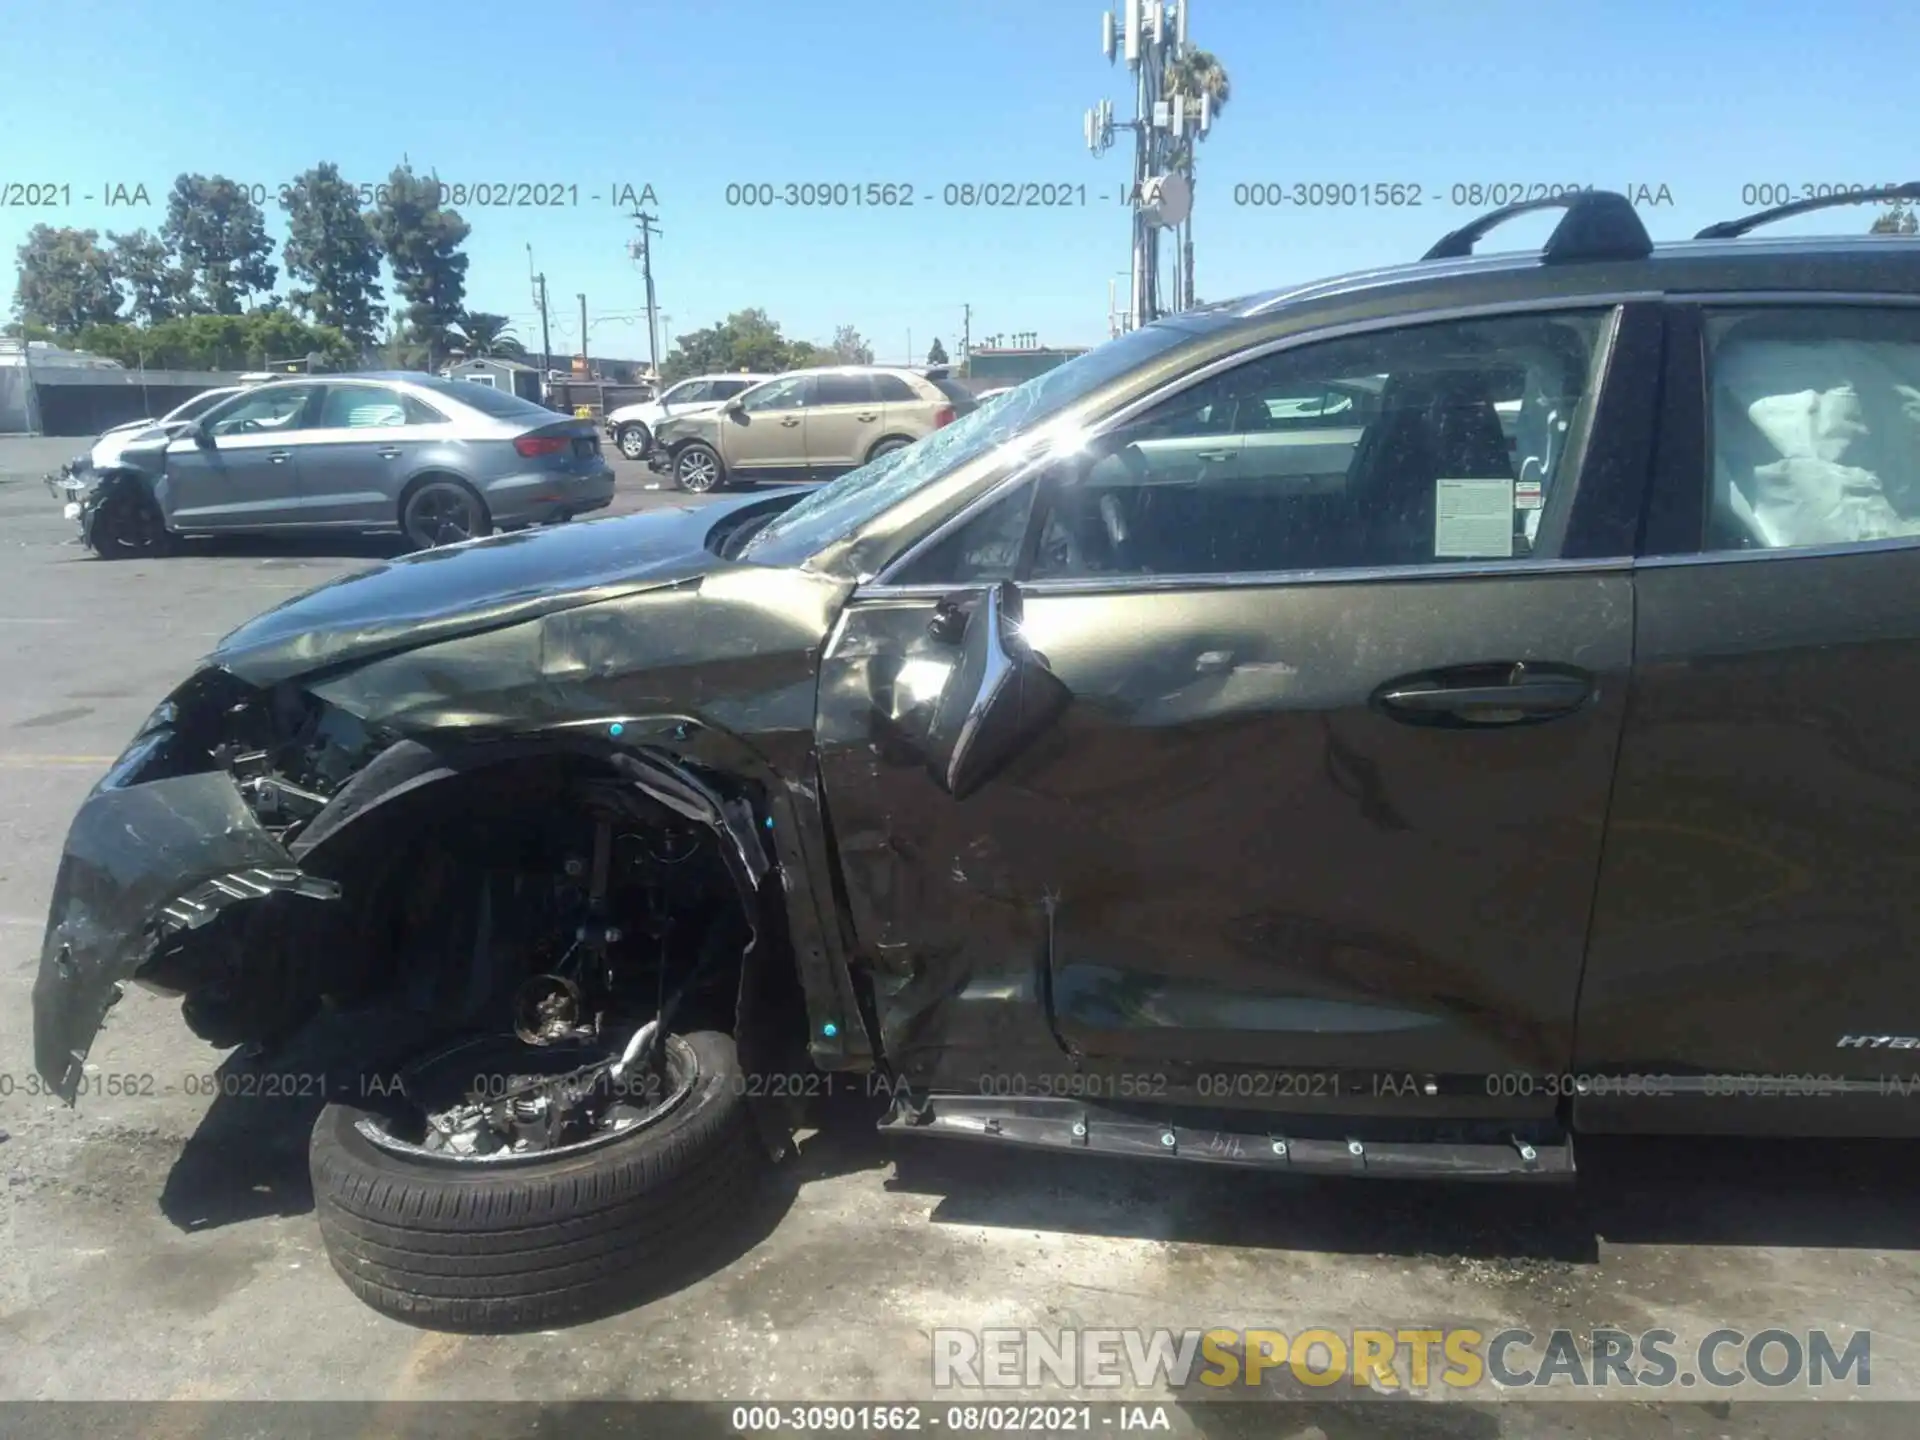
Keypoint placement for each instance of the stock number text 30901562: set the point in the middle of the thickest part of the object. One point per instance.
(904, 195)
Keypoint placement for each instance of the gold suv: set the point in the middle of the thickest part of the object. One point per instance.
(806, 425)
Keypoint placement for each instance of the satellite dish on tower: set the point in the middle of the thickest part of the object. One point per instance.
(1166, 200)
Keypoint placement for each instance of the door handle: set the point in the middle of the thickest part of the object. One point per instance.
(1221, 456)
(389, 453)
(1213, 662)
(279, 457)
(791, 422)
(1486, 695)
(870, 415)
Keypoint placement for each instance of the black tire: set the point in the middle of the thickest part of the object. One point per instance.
(128, 525)
(698, 468)
(441, 1246)
(634, 441)
(443, 512)
(887, 447)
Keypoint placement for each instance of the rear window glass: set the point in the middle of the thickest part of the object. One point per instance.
(488, 401)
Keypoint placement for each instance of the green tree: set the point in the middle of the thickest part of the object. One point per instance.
(422, 241)
(155, 286)
(331, 248)
(481, 333)
(745, 340)
(66, 280)
(850, 347)
(220, 342)
(1896, 219)
(220, 240)
(936, 353)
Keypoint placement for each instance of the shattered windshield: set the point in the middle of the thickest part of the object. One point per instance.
(838, 509)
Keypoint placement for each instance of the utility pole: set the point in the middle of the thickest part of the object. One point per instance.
(966, 332)
(540, 303)
(642, 250)
(585, 364)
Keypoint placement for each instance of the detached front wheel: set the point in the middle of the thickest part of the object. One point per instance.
(433, 1215)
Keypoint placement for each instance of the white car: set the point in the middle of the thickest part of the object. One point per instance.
(106, 450)
(631, 427)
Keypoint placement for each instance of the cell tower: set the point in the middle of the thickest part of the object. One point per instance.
(1149, 35)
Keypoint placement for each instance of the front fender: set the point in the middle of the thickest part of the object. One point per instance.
(143, 862)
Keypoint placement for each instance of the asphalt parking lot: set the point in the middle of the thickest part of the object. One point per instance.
(162, 1247)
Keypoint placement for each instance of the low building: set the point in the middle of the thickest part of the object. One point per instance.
(47, 390)
(991, 369)
(509, 375)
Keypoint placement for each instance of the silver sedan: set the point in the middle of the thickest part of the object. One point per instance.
(438, 460)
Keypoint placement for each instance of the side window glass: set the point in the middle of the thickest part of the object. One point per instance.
(420, 413)
(1815, 427)
(361, 407)
(986, 548)
(894, 390)
(266, 411)
(843, 390)
(788, 394)
(1433, 444)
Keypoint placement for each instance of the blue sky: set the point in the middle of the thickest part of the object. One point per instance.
(1703, 98)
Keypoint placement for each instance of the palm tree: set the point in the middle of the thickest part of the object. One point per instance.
(481, 334)
(1896, 220)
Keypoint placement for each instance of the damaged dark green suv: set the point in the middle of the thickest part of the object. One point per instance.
(1384, 727)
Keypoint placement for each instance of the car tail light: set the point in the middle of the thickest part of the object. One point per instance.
(943, 416)
(541, 444)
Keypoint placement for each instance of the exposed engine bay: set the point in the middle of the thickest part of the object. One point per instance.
(549, 921)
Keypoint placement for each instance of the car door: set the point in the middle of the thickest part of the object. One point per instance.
(1331, 787)
(242, 471)
(1758, 915)
(843, 423)
(766, 438)
(365, 442)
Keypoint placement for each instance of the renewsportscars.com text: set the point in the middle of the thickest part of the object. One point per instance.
(1401, 1358)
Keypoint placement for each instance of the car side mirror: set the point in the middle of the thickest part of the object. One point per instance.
(998, 697)
(733, 409)
(193, 430)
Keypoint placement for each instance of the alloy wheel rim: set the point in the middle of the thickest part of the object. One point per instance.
(696, 471)
(442, 517)
(632, 445)
(447, 1115)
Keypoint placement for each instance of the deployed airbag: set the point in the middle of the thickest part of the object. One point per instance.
(1817, 442)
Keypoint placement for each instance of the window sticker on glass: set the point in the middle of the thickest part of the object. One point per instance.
(1529, 495)
(1472, 519)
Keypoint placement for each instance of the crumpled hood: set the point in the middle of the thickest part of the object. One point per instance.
(434, 595)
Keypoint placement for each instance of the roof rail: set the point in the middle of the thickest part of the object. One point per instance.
(1599, 225)
(1734, 229)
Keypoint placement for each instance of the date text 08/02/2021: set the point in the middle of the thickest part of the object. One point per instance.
(53, 193)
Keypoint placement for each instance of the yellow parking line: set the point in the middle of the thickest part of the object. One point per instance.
(16, 761)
